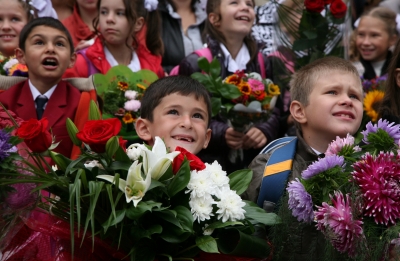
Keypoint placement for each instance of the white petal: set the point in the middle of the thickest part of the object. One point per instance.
(109, 178)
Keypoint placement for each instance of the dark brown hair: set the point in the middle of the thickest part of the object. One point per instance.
(192, 4)
(133, 10)
(213, 6)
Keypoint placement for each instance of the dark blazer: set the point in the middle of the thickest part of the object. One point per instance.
(62, 104)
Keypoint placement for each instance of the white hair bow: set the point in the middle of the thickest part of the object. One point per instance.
(150, 5)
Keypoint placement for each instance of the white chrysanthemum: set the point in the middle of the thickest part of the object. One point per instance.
(92, 164)
(230, 207)
(131, 95)
(218, 176)
(134, 151)
(10, 63)
(201, 207)
(201, 184)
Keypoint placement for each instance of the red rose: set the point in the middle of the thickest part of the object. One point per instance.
(194, 162)
(315, 6)
(96, 133)
(338, 9)
(328, 2)
(35, 134)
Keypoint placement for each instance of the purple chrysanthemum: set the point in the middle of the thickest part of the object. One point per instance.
(379, 181)
(300, 202)
(5, 146)
(322, 165)
(392, 129)
(337, 223)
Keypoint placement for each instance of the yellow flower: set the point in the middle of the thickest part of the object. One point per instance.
(128, 118)
(273, 89)
(372, 101)
(233, 79)
(141, 86)
(123, 86)
(244, 88)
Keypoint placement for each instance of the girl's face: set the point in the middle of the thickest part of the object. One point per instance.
(114, 26)
(373, 39)
(237, 17)
(12, 19)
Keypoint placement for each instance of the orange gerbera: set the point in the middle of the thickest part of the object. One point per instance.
(123, 86)
(244, 88)
(233, 79)
(128, 118)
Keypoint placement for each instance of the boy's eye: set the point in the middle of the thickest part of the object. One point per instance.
(250, 4)
(331, 92)
(198, 116)
(354, 96)
(38, 42)
(173, 111)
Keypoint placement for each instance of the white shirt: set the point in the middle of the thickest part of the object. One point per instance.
(36, 93)
(134, 65)
(378, 67)
(242, 58)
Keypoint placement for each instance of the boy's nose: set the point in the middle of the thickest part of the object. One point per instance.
(50, 47)
(186, 122)
(346, 100)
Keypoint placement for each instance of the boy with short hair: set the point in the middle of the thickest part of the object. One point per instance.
(46, 48)
(326, 102)
(178, 110)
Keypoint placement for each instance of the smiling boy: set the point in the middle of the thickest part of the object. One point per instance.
(46, 48)
(177, 109)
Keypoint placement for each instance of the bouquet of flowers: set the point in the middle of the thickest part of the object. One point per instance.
(11, 67)
(121, 91)
(374, 92)
(243, 99)
(143, 202)
(352, 195)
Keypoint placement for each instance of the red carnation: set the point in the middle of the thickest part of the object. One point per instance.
(338, 9)
(194, 162)
(315, 6)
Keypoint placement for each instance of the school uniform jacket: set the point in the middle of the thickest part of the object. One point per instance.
(62, 104)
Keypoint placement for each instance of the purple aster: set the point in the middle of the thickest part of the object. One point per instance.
(5, 146)
(300, 202)
(322, 165)
(392, 129)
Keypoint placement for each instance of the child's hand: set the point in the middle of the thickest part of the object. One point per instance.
(234, 139)
(254, 138)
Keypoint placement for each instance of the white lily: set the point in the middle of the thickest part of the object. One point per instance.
(135, 187)
(157, 160)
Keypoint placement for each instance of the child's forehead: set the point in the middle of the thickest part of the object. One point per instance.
(327, 75)
(176, 99)
(44, 30)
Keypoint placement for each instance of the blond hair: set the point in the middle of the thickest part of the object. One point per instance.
(385, 15)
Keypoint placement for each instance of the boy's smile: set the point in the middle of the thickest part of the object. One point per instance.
(181, 121)
(47, 55)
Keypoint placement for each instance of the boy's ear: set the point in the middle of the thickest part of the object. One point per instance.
(397, 77)
(214, 19)
(297, 112)
(208, 137)
(138, 25)
(143, 130)
(72, 61)
(20, 55)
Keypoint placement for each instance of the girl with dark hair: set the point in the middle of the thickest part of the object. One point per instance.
(182, 27)
(118, 24)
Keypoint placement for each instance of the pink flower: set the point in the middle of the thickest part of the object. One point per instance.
(338, 225)
(131, 95)
(132, 105)
(336, 146)
(256, 85)
(379, 181)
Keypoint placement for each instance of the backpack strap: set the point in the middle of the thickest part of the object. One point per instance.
(277, 169)
(260, 57)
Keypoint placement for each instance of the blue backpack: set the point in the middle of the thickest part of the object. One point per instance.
(277, 169)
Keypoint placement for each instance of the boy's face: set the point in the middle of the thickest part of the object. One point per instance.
(180, 121)
(335, 108)
(47, 54)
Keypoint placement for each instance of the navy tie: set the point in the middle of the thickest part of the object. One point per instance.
(40, 102)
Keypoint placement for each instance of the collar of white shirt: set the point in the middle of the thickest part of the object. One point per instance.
(242, 58)
(36, 93)
(134, 65)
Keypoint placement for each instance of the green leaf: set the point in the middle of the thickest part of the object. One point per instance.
(207, 244)
(185, 218)
(253, 211)
(203, 64)
(135, 213)
(61, 161)
(174, 234)
(169, 216)
(112, 221)
(220, 224)
(240, 180)
(72, 131)
(94, 112)
(215, 105)
(155, 184)
(111, 146)
(138, 232)
(181, 179)
(229, 91)
(215, 68)
(310, 34)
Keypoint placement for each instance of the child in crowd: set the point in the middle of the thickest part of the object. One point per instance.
(119, 21)
(14, 15)
(229, 27)
(390, 107)
(375, 34)
(326, 103)
(80, 22)
(46, 48)
(178, 110)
